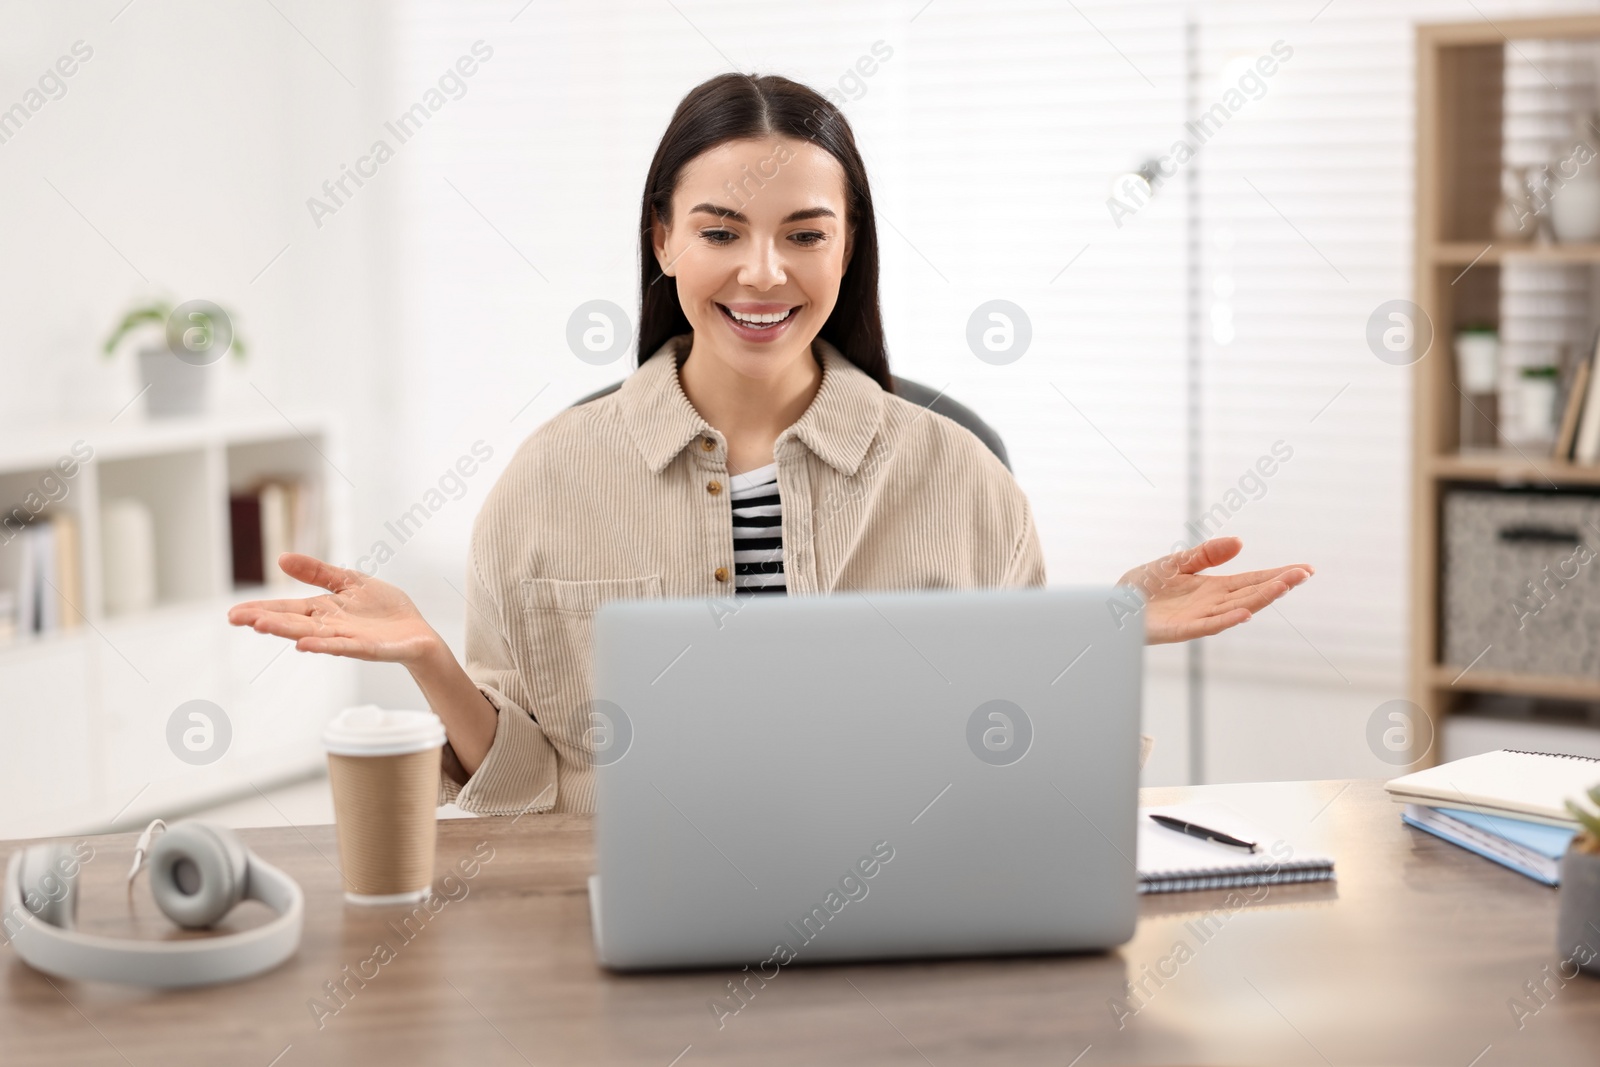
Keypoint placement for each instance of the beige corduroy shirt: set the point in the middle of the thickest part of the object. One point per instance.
(626, 496)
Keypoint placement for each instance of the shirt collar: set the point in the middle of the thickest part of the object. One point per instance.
(838, 426)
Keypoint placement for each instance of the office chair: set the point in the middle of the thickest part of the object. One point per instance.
(915, 392)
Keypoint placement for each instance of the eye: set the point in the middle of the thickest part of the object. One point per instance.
(810, 237)
(717, 237)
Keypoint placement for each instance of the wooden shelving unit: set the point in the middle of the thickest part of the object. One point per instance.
(87, 707)
(1469, 253)
(1512, 468)
(1473, 681)
(1460, 92)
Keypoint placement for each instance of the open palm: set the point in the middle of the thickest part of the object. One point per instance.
(360, 616)
(1182, 604)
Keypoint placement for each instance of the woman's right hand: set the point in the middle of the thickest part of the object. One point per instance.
(360, 617)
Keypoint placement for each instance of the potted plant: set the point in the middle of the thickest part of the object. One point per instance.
(1533, 405)
(1578, 927)
(172, 365)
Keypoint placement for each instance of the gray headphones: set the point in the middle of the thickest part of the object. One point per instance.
(198, 872)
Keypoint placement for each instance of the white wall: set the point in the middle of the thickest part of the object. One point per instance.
(176, 162)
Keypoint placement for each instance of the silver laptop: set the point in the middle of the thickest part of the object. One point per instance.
(864, 776)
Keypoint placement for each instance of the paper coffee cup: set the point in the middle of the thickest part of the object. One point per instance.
(383, 766)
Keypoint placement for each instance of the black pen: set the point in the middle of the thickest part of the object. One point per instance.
(1201, 832)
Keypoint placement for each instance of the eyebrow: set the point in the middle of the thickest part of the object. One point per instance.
(793, 216)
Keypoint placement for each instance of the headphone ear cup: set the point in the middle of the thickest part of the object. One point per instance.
(50, 884)
(197, 873)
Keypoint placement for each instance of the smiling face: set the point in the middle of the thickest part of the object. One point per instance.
(758, 244)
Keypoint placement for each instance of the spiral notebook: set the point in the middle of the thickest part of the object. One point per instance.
(1522, 785)
(1171, 861)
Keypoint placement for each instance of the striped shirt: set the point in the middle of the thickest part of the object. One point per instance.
(757, 530)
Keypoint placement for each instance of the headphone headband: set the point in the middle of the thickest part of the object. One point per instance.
(69, 953)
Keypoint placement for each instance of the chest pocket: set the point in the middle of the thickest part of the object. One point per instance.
(556, 649)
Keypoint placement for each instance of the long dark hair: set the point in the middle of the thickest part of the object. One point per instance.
(733, 107)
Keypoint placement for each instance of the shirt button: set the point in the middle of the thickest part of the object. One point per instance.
(714, 487)
(707, 443)
(721, 574)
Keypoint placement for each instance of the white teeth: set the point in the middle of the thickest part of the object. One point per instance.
(759, 320)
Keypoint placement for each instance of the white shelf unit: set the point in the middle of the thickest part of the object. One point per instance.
(85, 709)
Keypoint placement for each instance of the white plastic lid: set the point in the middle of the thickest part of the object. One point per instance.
(368, 730)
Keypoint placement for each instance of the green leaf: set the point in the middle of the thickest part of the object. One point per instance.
(156, 312)
(1589, 820)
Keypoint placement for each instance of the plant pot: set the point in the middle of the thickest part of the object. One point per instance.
(1578, 925)
(172, 387)
(1533, 411)
(1575, 210)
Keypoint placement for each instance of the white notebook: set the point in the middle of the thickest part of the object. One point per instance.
(1523, 785)
(1170, 860)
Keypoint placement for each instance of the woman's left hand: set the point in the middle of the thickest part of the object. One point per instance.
(1182, 604)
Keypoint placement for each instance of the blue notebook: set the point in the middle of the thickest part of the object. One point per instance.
(1529, 848)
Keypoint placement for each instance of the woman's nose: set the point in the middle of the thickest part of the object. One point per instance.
(763, 268)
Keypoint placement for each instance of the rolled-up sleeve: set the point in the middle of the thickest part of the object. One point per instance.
(518, 774)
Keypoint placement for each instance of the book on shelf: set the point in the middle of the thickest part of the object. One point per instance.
(47, 589)
(1582, 411)
(1570, 403)
(272, 516)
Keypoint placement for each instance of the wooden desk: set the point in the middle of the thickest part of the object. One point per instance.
(1412, 958)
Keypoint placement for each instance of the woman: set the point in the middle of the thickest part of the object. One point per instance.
(762, 391)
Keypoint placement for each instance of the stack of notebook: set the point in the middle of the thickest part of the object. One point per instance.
(1507, 806)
